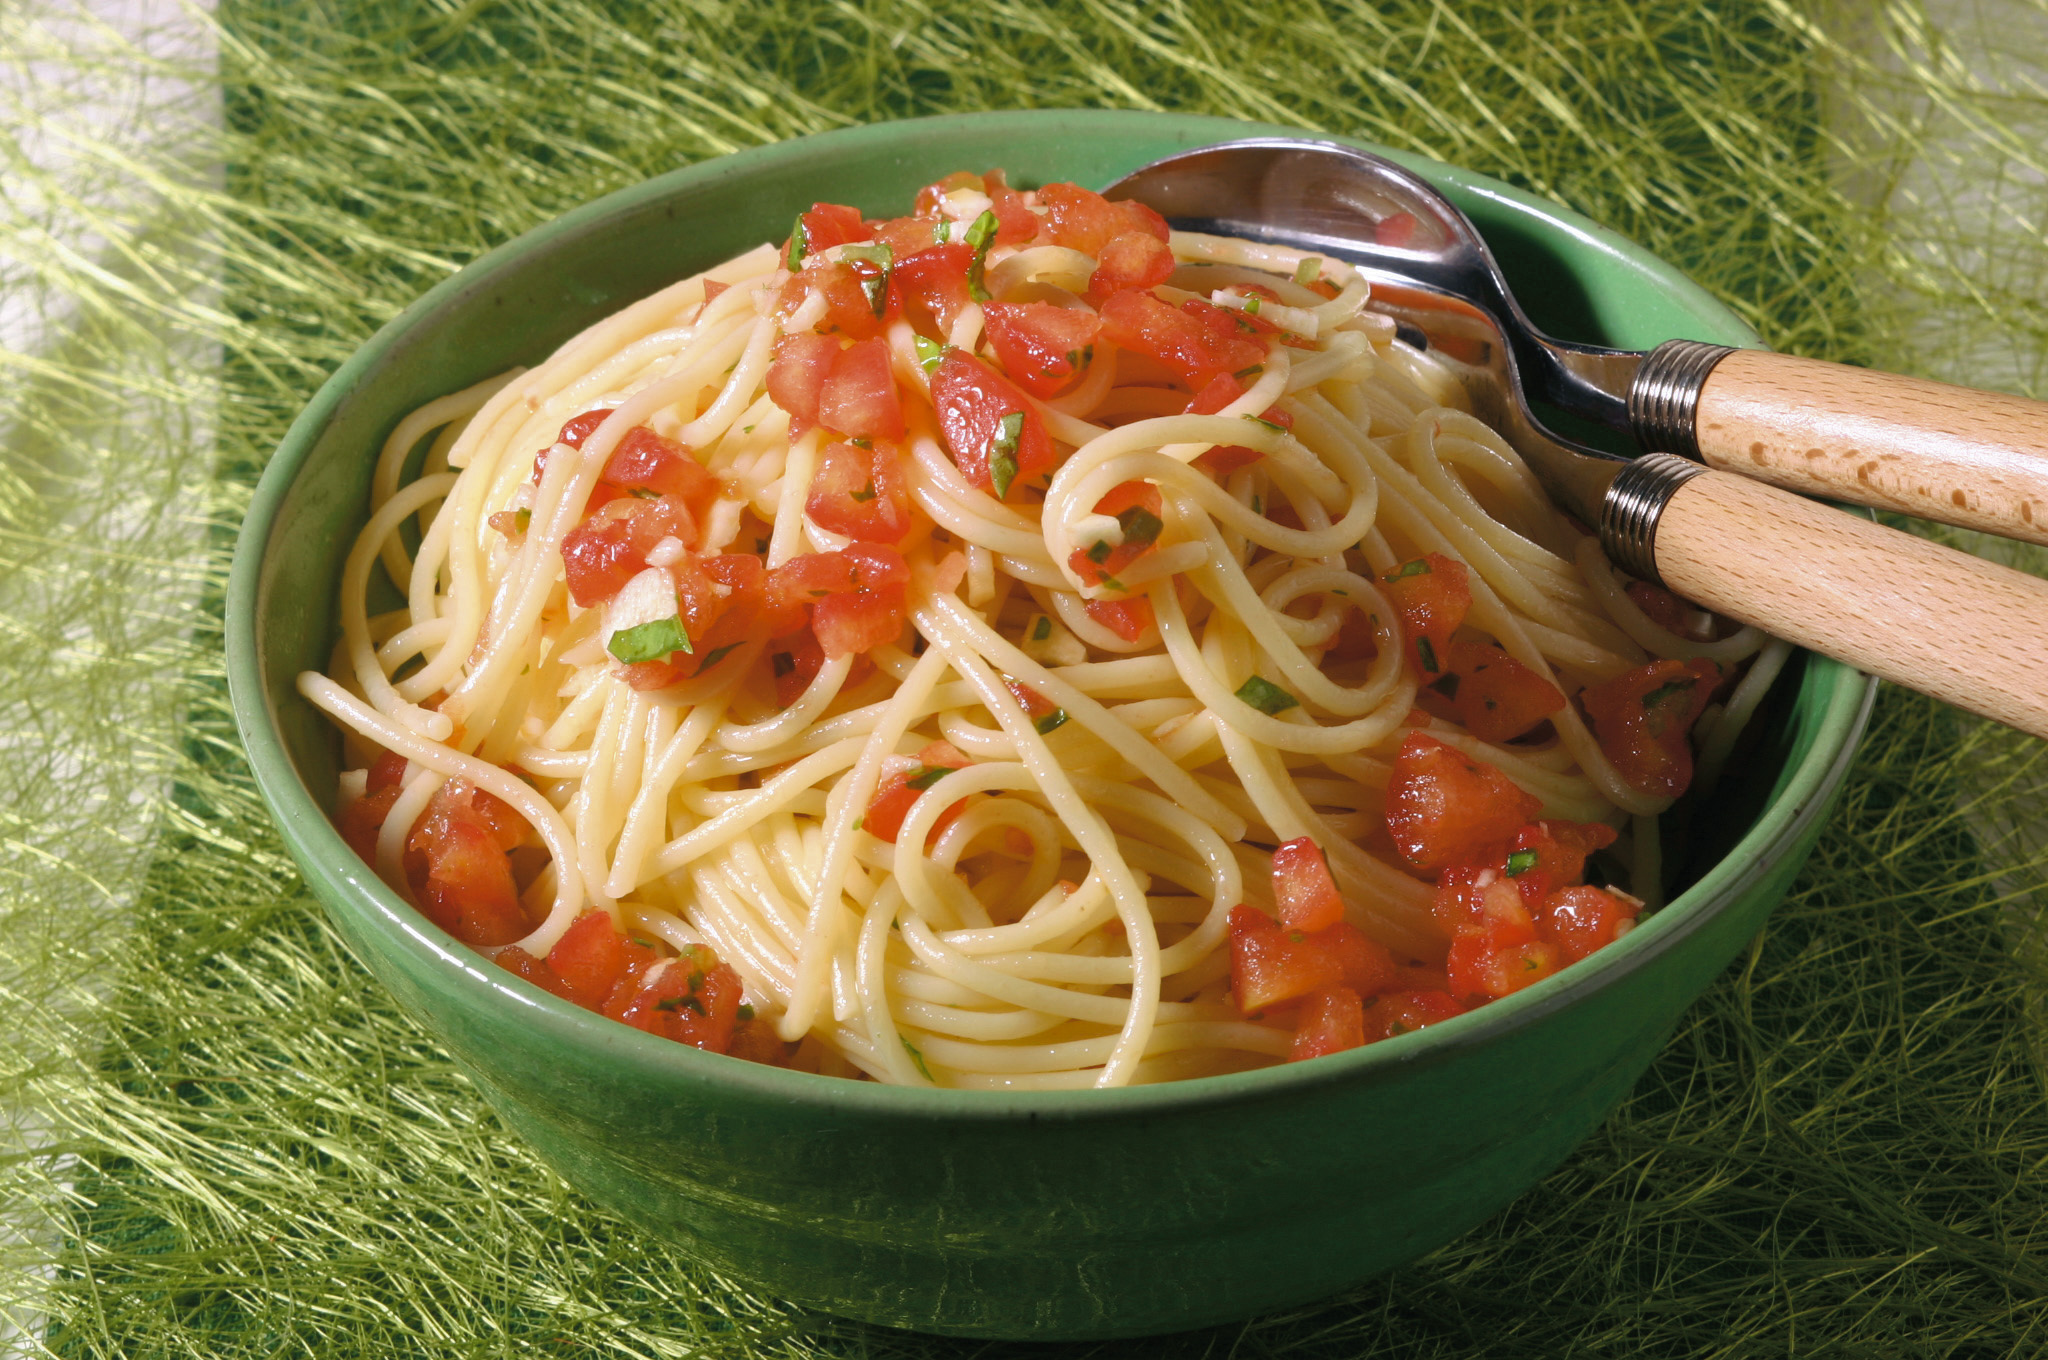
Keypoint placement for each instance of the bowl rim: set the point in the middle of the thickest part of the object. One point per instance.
(1804, 796)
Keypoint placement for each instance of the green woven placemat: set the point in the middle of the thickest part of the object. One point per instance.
(224, 1140)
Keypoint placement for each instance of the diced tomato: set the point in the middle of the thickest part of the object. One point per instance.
(386, 772)
(976, 406)
(824, 226)
(1444, 807)
(932, 286)
(610, 548)
(796, 379)
(1332, 1020)
(861, 493)
(1084, 220)
(1129, 616)
(590, 958)
(1367, 966)
(1494, 696)
(795, 667)
(574, 432)
(1480, 966)
(721, 600)
(1042, 347)
(1666, 610)
(905, 235)
(1215, 394)
(1356, 639)
(1580, 920)
(857, 297)
(519, 963)
(1431, 595)
(859, 396)
(856, 596)
(364, 818)
(1399, 1013)
(1644, 719)
(1303, 890)
(1472, 899)
(1136, 506)
(754, 1040)
(1183, 340)
(1271, 965)
(1036, 706)
(647, 462)
(693, 999)
(1133, 260)
(468, 890)
(905, 783)
(1549, 855)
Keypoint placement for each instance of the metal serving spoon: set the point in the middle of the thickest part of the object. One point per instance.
(1943, 622)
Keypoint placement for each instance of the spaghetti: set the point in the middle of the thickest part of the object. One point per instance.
(940, 648)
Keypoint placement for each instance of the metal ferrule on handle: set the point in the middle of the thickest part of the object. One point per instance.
(1664, 398)
(1633, 505)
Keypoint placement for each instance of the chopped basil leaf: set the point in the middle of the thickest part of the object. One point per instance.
(1419, 567)
(650, 641)
(940, 230)
(1309, 270)
(522, 518)
(746, 1010)
(1447, 686)
(1042, 629)
(1269, 424)
(1251, 304)
(918, 1058)
(980, 236)
(1428, 655)
(928, 776)
(1266, 696)
(1666, 692)
(717, 655)
(1140, 525)
(1002, 453)
(798, 247)
(1247, 374)
(929, 352)
(1100, 552)
(746, 429)
(783, 663)
(1258, 506)
(1111, 582)
(676, 1003)
(1056, 718)
(874, 282)
(645, 493)
(862, 443)
(1521, 862)
(865, 494)
(877, 254)
(1078, 359)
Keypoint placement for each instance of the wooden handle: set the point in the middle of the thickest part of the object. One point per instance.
(1930, 618)
(1978, 459)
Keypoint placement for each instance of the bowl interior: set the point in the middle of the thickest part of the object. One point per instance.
(517, 303)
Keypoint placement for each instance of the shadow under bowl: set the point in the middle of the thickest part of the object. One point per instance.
(1085, 1214)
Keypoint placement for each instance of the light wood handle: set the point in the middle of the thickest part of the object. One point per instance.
(1978, 459)
(1927, 617)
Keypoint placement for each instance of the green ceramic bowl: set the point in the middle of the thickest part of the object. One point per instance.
(1063, 1215)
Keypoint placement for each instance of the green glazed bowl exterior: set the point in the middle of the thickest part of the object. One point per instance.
(1059, 1215)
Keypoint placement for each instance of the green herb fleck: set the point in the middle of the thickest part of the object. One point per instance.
(928, 776)
(1140, 525)
(717, 655)
(1447, 686)
(874, 280)
(1041, 629)
(1427, 654)
(782, 663)
(1002, 453)
(918, 1058)
(865, 494)
(522, 519)
(1266, 696)
(649, 641)
(1251, 304)
(981, 235)
(1051, 721)
(1521, 862)
(746, 1010)
(1258, 506)
(1663, 694)
(1419, 567)
(1269, 424)
(1309, 270)
(929, 352)
(1100, 552)
(645, 493)
(1247, 374)
(798, 247)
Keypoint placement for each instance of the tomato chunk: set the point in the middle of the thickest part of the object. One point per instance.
(468, 890)
(648, 463)
(1643, 719)
(1129, 617)
(796, 666)
(861, 493)
(1481, 966)
(1580, 920)
(1084, 220)
(1444, 807)
(1332, 1020)
(1549, 855)
(1132, 260)
(995, 439)
(1042, 347)
(1185, 340)
(1432, 595)
(1493, 696)
(796, 379)
(1137, 507)
(693, 999)
(856, 596)
(1399, 1013)
(824, 226)
(1272, 964)
(905, 782)
(932, 288)
(1303, 890)
(859, 398)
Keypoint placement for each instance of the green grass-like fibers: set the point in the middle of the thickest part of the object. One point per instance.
(242, 1149)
